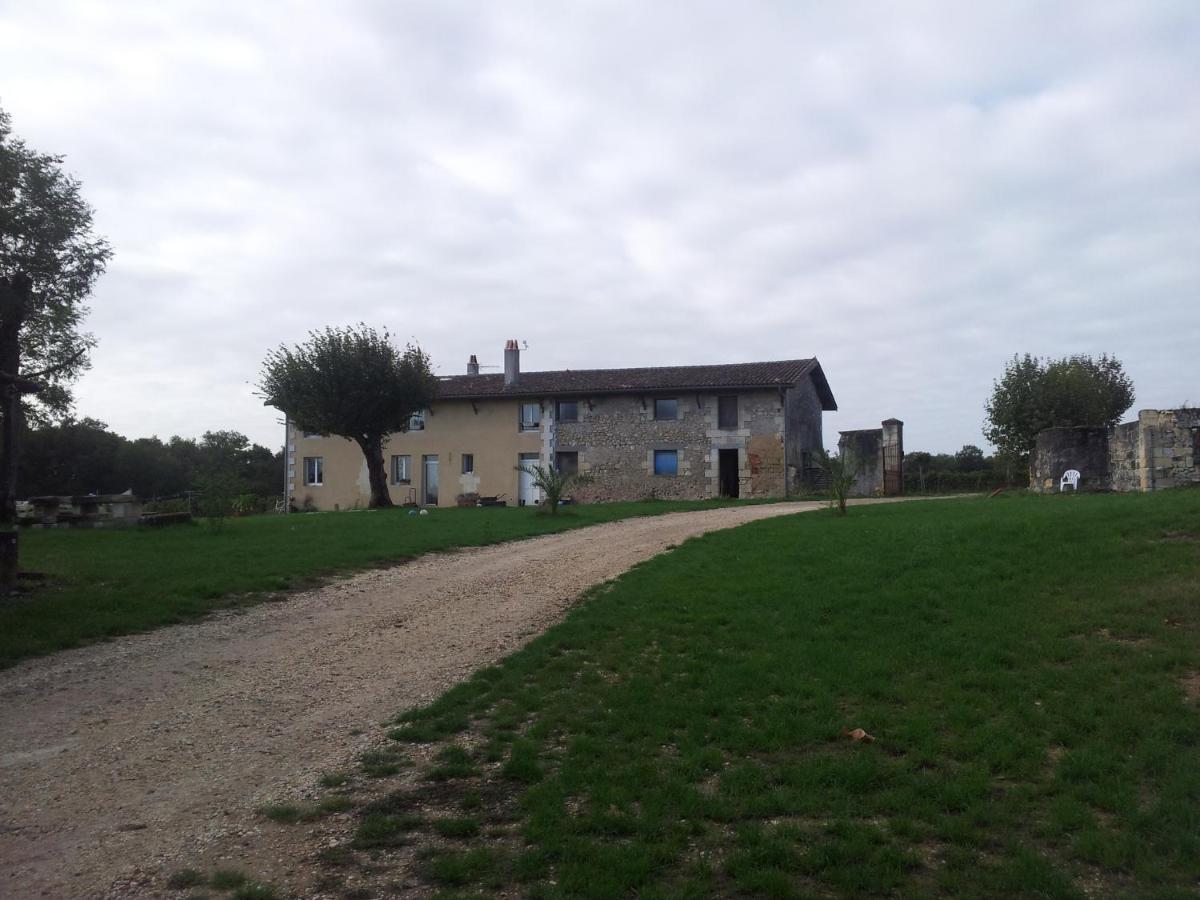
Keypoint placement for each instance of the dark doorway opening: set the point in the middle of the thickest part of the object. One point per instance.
(727, 472)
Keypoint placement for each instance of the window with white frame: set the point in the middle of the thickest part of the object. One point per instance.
(468, 463)
(314, 470)
(401, 469)
(416, 422)
(531, 416)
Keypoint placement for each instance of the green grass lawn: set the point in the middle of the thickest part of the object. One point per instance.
(107, 582)
(1023, 663)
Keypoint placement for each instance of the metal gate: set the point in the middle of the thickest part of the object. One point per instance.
(893, 470)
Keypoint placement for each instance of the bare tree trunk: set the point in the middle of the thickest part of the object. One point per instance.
(14, 305)
(372, 449)
(10, 432)
(10, 565)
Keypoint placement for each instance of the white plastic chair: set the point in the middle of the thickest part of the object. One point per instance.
(1070, 477)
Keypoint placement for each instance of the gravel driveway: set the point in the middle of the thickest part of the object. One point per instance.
(122, 758)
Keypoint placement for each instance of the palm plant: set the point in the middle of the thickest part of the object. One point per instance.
(552, 482)
(843, 472)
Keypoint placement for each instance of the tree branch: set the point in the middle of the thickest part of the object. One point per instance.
(60, 366)
(22, 384)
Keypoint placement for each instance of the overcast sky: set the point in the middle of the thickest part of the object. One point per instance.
(912, 195)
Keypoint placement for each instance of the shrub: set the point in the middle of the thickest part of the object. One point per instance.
(553, 483)
(843, 472)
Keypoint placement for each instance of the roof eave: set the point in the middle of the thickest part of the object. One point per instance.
(817, 374)
(594, 392)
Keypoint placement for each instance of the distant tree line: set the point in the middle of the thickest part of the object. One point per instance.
(967, 470)
(83, 457)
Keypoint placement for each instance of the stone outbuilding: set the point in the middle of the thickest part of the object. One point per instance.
(1161, 449)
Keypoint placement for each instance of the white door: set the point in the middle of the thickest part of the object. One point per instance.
(527, 494)
(431, 480)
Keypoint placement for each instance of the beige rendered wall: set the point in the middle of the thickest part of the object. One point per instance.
(487, 429)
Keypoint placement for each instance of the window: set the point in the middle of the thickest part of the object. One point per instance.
(666, 409)
(531, 416)
(568, 411)
(567, 462)
(416, 422)
(468, 463)
(314, 470)
(727, 412)
(666, 462)
(401, 469)
(312, 434)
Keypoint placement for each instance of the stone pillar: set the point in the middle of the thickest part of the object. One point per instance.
(1147, 426)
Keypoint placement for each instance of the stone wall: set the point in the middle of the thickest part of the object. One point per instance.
(761, 425)
(866, 447)
(1163, 452)
(804, 438)
(1159, 450)
(616, 437)
(1082, 449)
(1124, 463)
(872, 450)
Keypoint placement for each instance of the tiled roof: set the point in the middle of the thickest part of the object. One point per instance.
(583, 382)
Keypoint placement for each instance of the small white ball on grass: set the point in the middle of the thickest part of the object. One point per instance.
(424, 512)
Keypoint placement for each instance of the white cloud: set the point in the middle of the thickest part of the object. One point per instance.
(911, 193)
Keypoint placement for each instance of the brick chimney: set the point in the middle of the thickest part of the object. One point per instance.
(472, 365)
(512, 364)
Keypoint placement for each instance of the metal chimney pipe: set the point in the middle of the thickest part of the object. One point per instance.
(472, 365)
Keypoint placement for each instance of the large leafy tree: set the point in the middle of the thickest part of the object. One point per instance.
(49, 260)
(353, 382)
(50, 255)
(1035, 394)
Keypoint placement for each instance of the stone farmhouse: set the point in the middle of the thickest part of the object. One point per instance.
(676, 432)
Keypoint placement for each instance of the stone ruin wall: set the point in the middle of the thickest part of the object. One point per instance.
(1160, 450)
(867, 448)
(1124, 457)
(1167, 448)
(1058, 449)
